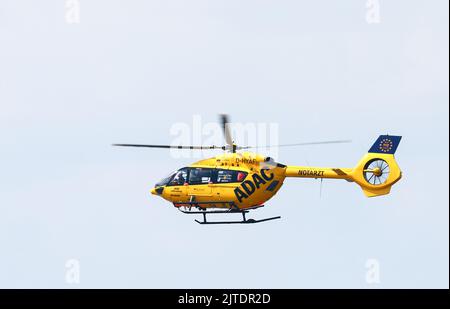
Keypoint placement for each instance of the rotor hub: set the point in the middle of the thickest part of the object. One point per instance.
(377, 171)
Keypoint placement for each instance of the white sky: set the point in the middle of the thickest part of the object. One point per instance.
(131, 69)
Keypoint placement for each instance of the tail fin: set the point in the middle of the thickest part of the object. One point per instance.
(385, 144)
(377, 171)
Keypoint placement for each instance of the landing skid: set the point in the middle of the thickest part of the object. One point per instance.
(234, 209)
(244, 221)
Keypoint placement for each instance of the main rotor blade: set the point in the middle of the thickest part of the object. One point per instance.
(226, 129)
(297, 144)
(171, 146)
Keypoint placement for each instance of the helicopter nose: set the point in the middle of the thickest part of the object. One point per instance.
(157, 190)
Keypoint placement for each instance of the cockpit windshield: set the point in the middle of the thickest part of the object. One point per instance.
(165, 180)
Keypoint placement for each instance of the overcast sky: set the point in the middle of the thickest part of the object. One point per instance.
(127, 71)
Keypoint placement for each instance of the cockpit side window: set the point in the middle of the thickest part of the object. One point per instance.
(198, 176)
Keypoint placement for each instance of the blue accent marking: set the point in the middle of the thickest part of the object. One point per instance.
(272, 185)
(386, 144)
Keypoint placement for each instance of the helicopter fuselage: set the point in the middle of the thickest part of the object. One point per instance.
(247, 180)
(242, 179)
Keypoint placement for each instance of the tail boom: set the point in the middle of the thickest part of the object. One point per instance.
(318, 172)
(375, 173)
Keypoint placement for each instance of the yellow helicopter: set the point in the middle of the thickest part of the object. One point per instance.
(237, 182)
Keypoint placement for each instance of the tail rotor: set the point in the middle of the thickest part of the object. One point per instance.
(376, 172)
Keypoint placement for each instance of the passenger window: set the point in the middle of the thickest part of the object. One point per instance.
(179, 179)
(227, 176)
(224, 176)
(199, 176)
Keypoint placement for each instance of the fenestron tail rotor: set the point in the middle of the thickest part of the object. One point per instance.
(376, 172)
